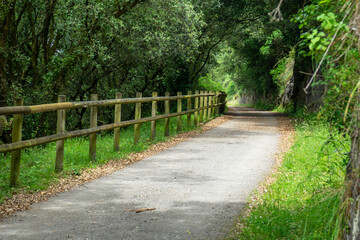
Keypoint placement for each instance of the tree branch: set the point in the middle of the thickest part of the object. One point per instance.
(208, 56)
(127, 6)
(326, 52)
(276, 13)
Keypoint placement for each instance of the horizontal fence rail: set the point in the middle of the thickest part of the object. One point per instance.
(210, 104)
(78, 133)
(86, 104)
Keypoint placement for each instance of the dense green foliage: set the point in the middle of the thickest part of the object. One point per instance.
(81, 47)
(247, 57)
(78, 48)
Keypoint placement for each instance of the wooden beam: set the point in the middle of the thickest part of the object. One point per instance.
(52, 138)
(189, 108)
(178, 118)
(153, 114)
(137, 116)
(16, 137)
(205, 105)
(117, 119)
(201, 117)
(60, 129)
(196, 113)
(85, 104)
(167, 111)
(214, 103)
(217, 101)
(93, 124)
(210, 105)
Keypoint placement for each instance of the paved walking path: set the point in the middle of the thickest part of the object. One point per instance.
(198, 188)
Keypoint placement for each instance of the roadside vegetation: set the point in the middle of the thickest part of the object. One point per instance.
(305, 55)
(304, 200)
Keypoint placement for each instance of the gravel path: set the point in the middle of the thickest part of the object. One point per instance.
(197, 188)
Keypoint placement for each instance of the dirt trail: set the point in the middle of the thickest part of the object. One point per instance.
(193, 190)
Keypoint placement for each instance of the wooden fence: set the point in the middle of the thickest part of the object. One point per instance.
(206, 105)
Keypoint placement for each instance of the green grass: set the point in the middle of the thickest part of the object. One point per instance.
(284, 109)
(258, 105)
(235, 103)
(38, 163)
(304, 202)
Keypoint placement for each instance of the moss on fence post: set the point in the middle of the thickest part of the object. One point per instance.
(210, 104)
(153, 114)
(60, 129)
(196, 114)
(178, 118)
(16, 137)
(205, 105)
(167, 111)
(117, 118)
(201, 117)
(93, 123)
(137, 116)
(189, 108)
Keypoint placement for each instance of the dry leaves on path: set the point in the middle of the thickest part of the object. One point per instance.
(140, 210)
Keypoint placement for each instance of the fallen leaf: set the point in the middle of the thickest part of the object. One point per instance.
(140, 210)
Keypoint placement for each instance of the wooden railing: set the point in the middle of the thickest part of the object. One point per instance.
(206, 104)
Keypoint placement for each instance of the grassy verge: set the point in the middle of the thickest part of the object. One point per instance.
(235, 103)
(304, 202)
(258, 105)
(38, 164)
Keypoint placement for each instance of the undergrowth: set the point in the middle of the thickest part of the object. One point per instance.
(38, 163)
(261, 105)
(304, 201)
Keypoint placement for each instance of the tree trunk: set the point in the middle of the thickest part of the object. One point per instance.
(6, 35)
(302, 64)
(352, 194)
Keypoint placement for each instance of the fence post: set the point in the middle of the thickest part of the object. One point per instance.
(189, 108)
(223, 103)
(217, 102)
(167, 111)
(210, 104)
(201, 117)
(93, 123)
(153, 114)
(117, 119)
(178, 119)
(16, 137)
(196, 114)
(137, 116)
(205, 105)
(60, 129)
(214, 102)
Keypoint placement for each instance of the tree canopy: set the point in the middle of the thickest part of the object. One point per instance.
(77, 48)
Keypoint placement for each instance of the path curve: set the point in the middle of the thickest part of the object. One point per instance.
(198, 187)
